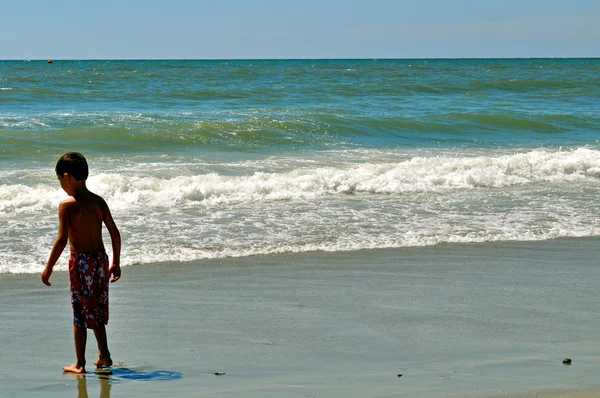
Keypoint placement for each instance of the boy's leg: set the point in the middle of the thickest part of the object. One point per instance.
(103, 353)
(80, 336)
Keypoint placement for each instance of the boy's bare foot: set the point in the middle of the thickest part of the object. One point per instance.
(75, 368)
(103, 362)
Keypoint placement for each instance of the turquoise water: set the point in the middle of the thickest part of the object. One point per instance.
(204, 159)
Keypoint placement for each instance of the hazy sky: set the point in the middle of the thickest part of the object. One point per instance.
(133, 29)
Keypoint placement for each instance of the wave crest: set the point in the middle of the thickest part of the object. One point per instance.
(413, 175)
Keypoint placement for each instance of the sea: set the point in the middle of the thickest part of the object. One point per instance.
(203, 159)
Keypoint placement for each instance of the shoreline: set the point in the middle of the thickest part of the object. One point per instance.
(249, 259)
(455, 320)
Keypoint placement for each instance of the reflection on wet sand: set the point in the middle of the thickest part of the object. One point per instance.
(107, 376)
(104, 382)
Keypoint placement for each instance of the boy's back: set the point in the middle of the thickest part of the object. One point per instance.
(85, 215)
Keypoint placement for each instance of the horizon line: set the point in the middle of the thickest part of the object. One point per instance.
(293, 59)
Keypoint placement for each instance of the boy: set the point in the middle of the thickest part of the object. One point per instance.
(80, 222)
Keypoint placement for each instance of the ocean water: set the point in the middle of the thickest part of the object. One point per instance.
(210, 159)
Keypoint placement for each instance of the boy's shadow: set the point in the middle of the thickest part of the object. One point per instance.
(130, 374)
(107, 377)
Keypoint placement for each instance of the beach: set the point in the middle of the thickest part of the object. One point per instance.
(456, 320)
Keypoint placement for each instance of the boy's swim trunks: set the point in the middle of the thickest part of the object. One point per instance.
(88, 281)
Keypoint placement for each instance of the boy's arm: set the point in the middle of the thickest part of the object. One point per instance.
(115, 238)
(59, 245)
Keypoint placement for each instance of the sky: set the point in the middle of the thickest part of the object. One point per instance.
(250, 29)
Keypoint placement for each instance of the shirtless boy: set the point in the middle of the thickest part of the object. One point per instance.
(80, 223)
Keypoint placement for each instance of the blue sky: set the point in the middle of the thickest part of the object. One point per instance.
(134, 29)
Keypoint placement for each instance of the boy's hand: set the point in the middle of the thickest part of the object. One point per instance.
(46, 276)
(115, 270)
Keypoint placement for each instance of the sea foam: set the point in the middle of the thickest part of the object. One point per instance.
(418, 174)
(414, 175)
(342, 204)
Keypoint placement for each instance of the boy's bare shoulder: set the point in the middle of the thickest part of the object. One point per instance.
(99, 200)
(89, 199)
(67, 203)
(99, 203)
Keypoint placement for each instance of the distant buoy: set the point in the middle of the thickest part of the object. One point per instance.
(49, 61)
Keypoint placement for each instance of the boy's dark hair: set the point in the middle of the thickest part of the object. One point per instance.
(72, 163)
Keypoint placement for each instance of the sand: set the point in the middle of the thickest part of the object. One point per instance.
(491, 319)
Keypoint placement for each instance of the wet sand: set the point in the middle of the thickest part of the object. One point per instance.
(491, 319)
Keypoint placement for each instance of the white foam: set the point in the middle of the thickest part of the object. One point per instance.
(418, 174)
(332, 205)
(21, 199)
(9, 122)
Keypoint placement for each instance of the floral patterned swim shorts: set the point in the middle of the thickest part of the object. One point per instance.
(88, 281)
